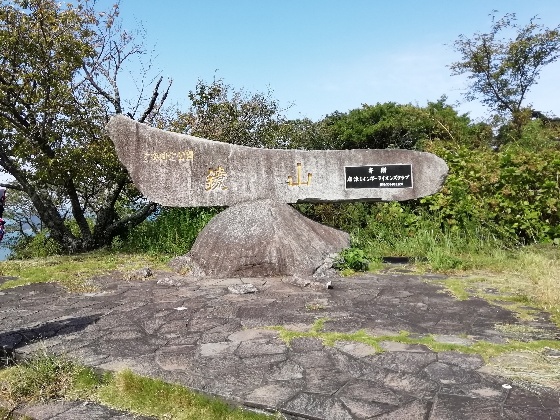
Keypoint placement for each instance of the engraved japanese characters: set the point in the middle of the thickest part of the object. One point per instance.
(184, 171)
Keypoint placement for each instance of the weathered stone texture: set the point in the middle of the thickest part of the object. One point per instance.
(184, 171)
(263, 238)
(199, 335)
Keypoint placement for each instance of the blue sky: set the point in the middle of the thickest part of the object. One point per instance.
(320, 56)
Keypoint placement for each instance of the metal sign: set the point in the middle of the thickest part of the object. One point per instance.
(378, 176)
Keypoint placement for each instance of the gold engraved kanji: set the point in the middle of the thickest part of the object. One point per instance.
(216, 179)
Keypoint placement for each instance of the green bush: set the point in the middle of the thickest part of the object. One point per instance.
(391, 125)
(353, 259)
(38, 246)
(513, 193)
(172, 231)
(492, 199)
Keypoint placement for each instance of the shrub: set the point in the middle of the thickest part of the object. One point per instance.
(353, 259)
(513, 193)
(172, 231)
(38, 246)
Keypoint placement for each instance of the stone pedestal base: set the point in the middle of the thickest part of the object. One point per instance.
(262, 238)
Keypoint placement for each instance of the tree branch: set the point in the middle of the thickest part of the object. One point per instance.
(12, 187)
(128, 222)
(46, 209)
(152, 103)
(77, 210)
(101, 91)
(136, 217)
(114, 195)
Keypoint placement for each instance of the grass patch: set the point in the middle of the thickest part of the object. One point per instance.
(531, 367)
(394, 232)
(518, 359)
(49, 377)
(523, 280)
(45, 378)
(153, 397)
(493, 291)
(483, 348)
(73, 271)
(525, 332)
(459, 288)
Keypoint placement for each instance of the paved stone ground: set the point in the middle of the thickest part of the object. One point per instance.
(199, 334)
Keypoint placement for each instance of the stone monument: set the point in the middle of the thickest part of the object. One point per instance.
(260, 234)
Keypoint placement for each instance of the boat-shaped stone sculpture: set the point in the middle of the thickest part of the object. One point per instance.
(257, 184)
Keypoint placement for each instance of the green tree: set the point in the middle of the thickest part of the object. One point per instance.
(59, 74)
(392, 125)
(219, 112)
(21, 215)
(303, 133)
(503, 69)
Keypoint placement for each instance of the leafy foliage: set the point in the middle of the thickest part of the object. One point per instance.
(514, 193)
(353, 259)
(20, 215)
(391, 125)
(502, 70)
(58, 84)
(218, 112)
(490, 200)
(172, 231)
(35, 246)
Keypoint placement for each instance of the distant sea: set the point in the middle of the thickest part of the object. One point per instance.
(9, 238)
(4, 253)
(4, 250)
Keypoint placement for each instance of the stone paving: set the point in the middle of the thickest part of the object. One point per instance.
(198, 333)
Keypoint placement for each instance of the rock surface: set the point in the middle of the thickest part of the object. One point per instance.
(262, 238)
(196, 333)
(184, 171)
